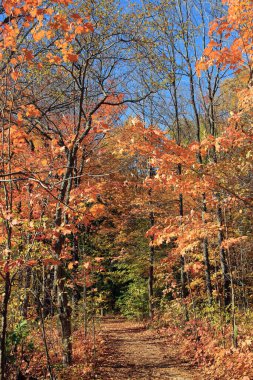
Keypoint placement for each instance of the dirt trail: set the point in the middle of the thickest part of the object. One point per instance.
(132, 352)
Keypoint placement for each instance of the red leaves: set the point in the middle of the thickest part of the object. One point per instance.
(28, 54)
(72, 57)
(31, 263)
(51, 262)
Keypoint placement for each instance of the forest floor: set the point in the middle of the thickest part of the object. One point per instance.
(133, 352)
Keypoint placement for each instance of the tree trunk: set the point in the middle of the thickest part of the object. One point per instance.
(64, 310)
(206, 258)
(151, 271)
(4, 311)
(151, 253)
(209, 290)
(63, 307)
(223, 261)
(28, 274)
(182, 259)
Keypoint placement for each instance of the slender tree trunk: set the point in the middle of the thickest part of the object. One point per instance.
(209, 289)
(63, 305)
(183, 277)
(223, 261)
(151, 271)
(151, 253)
(206, 258)
(64, 309)
(28, 272)
(4, 311)
(44, 337)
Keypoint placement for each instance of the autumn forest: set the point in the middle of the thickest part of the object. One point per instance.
(126, 189)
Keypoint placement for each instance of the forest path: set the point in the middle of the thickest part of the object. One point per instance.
(133, 352)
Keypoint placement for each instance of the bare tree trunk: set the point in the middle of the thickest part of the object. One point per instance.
(206, 259)
(151, 271)
(151, 253)
(4, 311)
(64, 310)
(183, 277)
(28, 272)
(223, 261)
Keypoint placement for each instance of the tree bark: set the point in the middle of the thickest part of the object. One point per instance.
(151, 271)
(4, 311)
(209, 289)
(223, 261)
(64, 310)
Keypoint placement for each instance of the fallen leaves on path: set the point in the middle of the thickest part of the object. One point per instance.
(134, 352)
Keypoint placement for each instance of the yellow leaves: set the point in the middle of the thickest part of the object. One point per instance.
(97, 210)
(56, 148)
(38, 36)
(87, 265)
(37, 143)
(201, 65)
(9, 35)
(86, 28)
(49, 11)
(79, 29)
(44, 162)
(33, 12)
(229, 243)
(198, 282)
(32, 111)
(18, 135)
(2, 239)
(71, 265)
(54, 59)
(14, 75)
(14, 61)
(64, 2)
